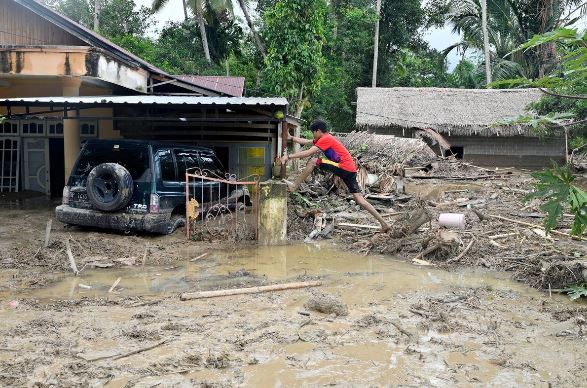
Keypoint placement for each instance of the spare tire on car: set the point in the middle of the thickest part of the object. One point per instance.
(109, 187)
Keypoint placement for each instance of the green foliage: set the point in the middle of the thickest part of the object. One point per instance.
(303, 201)
(117, 17)
(556, 188)
(575, 291)
(294, 36)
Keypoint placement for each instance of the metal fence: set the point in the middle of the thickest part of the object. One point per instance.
(221, 207)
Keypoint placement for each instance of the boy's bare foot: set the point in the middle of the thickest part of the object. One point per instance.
(289, 184)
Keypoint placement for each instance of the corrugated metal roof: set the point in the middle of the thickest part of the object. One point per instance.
(146, 100)
(232, 86)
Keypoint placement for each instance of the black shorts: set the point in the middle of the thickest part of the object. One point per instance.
(349, 178)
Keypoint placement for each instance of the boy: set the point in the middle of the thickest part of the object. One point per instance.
(337, 160)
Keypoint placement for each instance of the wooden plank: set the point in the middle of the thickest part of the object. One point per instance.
(249, 290)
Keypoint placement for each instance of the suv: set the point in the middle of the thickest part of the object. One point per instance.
(134, 185)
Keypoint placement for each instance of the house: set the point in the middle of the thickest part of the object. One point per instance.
(61, 83)
(470, 120)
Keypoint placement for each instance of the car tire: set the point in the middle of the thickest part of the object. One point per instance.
(175, 222)
(109, 187)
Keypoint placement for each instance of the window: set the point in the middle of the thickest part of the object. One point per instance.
(166, 167)
(186, 161)
(33, 127)
(9, 128)
(88, 128)
(135, 158)
(55, 128)
(211, 163)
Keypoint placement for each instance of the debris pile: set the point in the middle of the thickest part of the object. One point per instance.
(501, 232)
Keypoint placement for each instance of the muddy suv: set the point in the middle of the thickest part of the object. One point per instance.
(139, 185)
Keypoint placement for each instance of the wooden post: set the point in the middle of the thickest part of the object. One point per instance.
(284, 131)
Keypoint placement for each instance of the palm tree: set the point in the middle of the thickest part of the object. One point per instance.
(260, 46)
(485, 42)
(199, 8)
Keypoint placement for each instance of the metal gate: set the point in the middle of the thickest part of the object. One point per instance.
(221, 207)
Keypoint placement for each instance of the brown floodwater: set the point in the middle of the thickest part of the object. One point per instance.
(330, 350)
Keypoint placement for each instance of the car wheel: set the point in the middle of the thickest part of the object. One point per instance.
(109, 187)
(176, 221)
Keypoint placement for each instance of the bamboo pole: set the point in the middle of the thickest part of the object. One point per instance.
(249, 290)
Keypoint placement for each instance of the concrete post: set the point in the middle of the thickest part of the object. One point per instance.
(272, 213)
(71, 132)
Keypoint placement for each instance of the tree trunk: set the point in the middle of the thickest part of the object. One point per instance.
(256, 37)
(200, 20)
(97, 9)
(376, 44)
(485, 41)
(547, 51)
(185, 10)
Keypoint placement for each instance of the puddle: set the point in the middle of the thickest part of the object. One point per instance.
(381, 276)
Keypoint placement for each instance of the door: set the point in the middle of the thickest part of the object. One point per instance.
(36, 165)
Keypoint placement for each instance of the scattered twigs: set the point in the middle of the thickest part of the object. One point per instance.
(200, 257)
(249, 290)
(114, 285)
(72, 263)
(463, 253)
(48, 232)
(137, 351)
(402, 330)
(486, 216)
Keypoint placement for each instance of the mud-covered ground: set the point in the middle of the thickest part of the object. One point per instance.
(400, 324)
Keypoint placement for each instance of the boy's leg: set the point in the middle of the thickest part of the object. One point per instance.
(367, 206)
(310, 166)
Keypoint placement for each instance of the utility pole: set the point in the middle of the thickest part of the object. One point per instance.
(376, 46)
(485, 41)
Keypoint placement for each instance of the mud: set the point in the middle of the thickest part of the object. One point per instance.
(406, 325)
(381, 321)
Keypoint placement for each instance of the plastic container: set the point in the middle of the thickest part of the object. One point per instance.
(452, 220)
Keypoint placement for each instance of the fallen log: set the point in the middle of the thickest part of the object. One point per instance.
(249, 290)
(359, 226)
(483, 217)
(114, 285)
(459, 178)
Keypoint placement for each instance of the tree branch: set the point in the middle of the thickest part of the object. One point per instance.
(562, 95)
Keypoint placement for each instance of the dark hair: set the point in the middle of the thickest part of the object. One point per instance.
(319, 125)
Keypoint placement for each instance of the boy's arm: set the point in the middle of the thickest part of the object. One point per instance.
(302, 154)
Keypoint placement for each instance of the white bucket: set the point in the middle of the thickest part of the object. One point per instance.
(452, 220)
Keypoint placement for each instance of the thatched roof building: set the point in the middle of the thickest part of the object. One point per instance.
(454, 112)
(468, 123)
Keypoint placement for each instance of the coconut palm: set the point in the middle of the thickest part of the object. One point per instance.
(245, 8)
(510, 23)
(200, 8)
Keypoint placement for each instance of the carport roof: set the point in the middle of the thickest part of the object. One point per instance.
(87, 101)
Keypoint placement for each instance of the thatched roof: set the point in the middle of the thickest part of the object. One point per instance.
(457, 112)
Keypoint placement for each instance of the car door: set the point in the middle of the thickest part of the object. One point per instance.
(171, 191)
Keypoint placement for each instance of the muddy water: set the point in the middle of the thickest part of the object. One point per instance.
(382, 276)
(495, 334)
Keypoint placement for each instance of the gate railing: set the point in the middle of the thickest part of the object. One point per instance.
(221, 207)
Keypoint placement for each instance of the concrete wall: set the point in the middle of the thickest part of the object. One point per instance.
(517, 151)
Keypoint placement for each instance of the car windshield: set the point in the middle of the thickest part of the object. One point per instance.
(133, 157)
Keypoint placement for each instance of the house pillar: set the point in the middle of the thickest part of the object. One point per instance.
(272, 213)
(71, 130)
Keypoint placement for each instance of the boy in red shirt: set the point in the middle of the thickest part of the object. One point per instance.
(337, 160)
